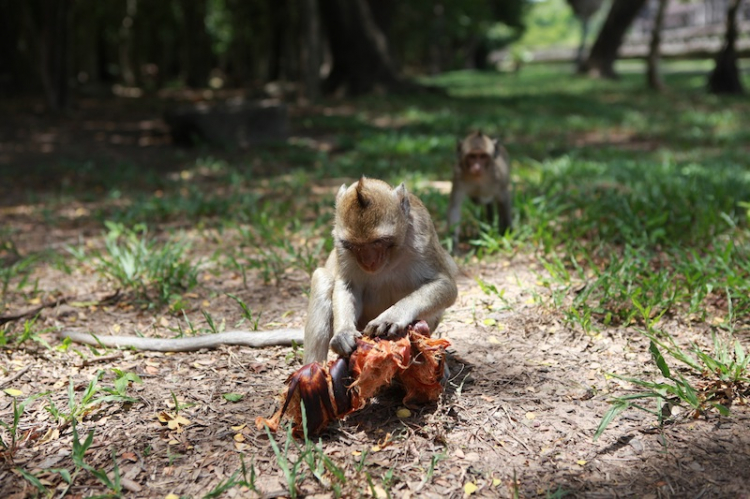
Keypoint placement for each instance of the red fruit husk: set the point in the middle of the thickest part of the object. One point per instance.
(414, 358)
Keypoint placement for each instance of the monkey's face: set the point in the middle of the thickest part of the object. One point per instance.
(371, 256)
(476, 163)
(371, 223)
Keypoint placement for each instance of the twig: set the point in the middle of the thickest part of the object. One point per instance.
(32, 312)
(51, 304)
(14, 377)
(103, 358)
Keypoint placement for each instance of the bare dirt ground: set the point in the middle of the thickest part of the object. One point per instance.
(526, 394)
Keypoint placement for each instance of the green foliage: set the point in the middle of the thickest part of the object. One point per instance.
(142, 265)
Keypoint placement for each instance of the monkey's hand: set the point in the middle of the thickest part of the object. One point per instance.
(389, 323)
(344, 342)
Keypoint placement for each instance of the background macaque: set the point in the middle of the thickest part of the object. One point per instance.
(387, 269)
(483, 174)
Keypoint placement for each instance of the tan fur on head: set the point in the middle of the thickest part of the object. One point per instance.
(476, 142)
(369, 209)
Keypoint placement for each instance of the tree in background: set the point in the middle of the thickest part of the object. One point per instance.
(725, 78)
(601, 60)
(584, 10)
(359, 48)
(653, 78)
(354, 46)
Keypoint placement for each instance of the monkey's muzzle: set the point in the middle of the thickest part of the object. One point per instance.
(345, 385)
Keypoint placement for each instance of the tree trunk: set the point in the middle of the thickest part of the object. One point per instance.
(278, 24)
(582, 45)
(584, 10)
(653, 77)
(47, 22)
(601, 60)
(311, 49)
(725, 78)
(437, 39)
(125, 48)
(196, 62)
(358, 47)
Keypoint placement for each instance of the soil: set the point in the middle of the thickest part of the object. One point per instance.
(526, 394)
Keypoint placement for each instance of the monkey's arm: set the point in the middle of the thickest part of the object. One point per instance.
(347, 306)
(429, 300)
(256, 339)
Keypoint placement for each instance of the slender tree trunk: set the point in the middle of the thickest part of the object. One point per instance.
(196, 61)
(437, 37)
(278, 24)
(601, 60)
(725, 78)
(47, 23)
(125, 48)
(582, 45)
(653, 77)
(311, 47)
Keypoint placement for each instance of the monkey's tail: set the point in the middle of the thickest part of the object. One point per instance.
(256, 339)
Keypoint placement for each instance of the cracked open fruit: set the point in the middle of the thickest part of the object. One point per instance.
(413, 358)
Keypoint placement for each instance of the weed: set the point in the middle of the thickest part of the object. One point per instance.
(10, 446)
(27, 332)
(247, 314)
(143, 265)
(723, 376)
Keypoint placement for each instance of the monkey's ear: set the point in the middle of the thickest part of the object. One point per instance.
(361, 198)
(495, 147)
(403, 196)
(341, 192)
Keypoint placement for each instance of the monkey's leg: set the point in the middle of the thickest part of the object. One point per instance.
(454, 213)
(319, 326)
(489, 211)
(505, 215)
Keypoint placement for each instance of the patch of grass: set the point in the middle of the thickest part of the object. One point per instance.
(142, 265)
(716, 379)
(14, 268)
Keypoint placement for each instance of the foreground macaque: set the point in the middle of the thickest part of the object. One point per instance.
(387, 270)
(483, 174)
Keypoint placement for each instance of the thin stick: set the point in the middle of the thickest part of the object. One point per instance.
(14, 377)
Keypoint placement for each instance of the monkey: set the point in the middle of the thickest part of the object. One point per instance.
(482, 173)
(387, 269)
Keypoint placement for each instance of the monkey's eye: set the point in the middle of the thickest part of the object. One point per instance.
(385, 243)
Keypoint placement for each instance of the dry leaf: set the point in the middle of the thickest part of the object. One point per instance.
(493, 340)
(239, 437)
(52, 434)
(469, 488)
(581, 462)
(13, 392)
(530, 415)
(380, 492)
(178, 421)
